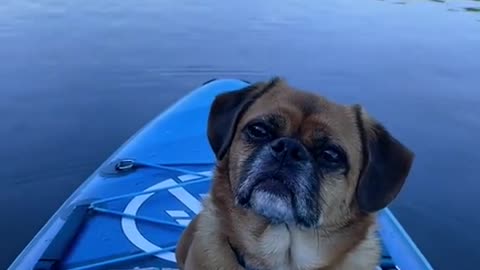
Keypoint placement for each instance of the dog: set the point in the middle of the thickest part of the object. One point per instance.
(297, 183)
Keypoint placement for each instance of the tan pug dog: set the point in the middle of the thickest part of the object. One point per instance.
(297, 184)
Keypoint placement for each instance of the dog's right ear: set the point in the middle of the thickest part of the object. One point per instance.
(227, 110)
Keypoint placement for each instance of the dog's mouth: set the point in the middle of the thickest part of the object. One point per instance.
(273, 199)
(273, 186)
(281, 191)
(279, 199)
(263, 183)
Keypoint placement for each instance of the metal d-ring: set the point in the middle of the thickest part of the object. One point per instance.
(125, 165)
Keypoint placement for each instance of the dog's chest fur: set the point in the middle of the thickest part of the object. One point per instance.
(284, 248)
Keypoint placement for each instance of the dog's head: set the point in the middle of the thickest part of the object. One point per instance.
(294, 157)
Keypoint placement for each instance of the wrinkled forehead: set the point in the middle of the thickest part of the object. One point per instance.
(307, 115)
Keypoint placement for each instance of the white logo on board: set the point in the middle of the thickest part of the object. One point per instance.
(129, 225)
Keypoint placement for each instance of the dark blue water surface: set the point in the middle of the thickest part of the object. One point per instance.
(77, 78)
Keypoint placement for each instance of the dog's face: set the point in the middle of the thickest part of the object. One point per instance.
(294, 157)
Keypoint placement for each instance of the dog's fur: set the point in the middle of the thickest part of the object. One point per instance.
(328, 219)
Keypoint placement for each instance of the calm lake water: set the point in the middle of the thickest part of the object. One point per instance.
(77, 78)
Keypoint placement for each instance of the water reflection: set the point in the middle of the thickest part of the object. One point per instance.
(472, 9)
(454, 5)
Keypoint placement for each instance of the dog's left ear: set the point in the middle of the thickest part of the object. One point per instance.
(386, 164)
(227, 110)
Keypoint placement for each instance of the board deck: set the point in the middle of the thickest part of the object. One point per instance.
(132, 210)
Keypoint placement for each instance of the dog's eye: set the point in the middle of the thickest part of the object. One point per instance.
(258, 131)
(331, 155)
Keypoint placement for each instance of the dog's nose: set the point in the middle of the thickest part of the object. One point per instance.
(288, 148)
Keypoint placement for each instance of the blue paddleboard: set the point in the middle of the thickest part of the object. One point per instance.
(131, 212)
